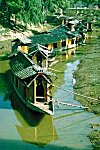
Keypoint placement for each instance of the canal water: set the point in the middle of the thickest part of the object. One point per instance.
(23, 129)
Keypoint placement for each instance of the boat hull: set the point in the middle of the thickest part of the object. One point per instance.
(34, 106)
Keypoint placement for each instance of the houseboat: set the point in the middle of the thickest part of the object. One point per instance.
(39, 54)
(21, 43)
(32, 83)
(58, 39)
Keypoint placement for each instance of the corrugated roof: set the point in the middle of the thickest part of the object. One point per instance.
(23, 67)
(19, 62)
(39, 48)
(48, 38)
(23, 40)
(25, 73)
(53, 36)
(64, 29)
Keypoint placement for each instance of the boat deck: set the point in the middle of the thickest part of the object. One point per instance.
(43, 107)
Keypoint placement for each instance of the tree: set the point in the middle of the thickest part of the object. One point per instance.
(87, 3)
(61, 4)
(33, 11)
(27, 10)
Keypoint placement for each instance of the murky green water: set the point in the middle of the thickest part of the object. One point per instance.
(23, 129)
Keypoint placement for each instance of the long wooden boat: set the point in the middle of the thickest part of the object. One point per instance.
(42, 107)
(32, 84)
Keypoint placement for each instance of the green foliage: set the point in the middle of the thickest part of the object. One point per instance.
(34, 11)
(30, 11)
(86, 3)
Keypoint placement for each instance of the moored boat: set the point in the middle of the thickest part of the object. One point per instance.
(32, 83)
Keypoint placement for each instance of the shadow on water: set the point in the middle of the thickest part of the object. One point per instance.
(35, 128)
(32, 118)
(5, 87)
(4, 90)
(17, 144)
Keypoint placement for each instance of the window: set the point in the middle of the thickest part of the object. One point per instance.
(63, 43)
(72, 41)
(55, 45)
(39, 59)
(46, 45)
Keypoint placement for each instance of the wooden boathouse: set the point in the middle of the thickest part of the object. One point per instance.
(32, 83)
(61, 38)
(21, 44)
(58, 38)
(39, 55)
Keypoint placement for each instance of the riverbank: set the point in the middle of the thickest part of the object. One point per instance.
(88, 81)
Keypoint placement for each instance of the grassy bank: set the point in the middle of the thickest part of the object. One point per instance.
(95, 139)
(88, 80)
(88, 74)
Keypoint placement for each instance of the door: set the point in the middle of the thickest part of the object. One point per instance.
(40, 90)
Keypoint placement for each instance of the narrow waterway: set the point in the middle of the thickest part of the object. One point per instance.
(72, 123)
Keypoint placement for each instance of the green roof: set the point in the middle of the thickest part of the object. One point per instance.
(39, 48)
(23, 67)
(64, 29)
(19, 61)
(25, 73)
(52, 37)
(23, 40)
(60, 33)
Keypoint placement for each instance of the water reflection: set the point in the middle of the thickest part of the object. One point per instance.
(4, 104)
(35, 128)
(3, 88)
(4, 93)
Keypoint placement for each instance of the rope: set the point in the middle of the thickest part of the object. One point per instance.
(68, 104)
(55, 70)
(75, 93)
